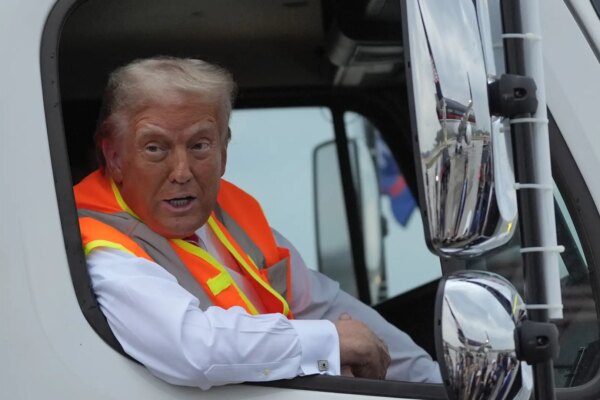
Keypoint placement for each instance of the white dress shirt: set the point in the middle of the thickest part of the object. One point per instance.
(160, 324)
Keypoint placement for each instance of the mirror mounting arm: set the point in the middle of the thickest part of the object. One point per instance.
(512, 95)
(536, 342)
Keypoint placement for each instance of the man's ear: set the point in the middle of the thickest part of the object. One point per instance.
(223, 157)
(224, 144)
(110, 149)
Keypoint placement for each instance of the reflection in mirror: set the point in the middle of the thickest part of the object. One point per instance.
(490, 28)
(476, 316)
(456, 135)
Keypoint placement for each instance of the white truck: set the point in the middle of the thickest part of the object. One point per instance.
(332, 94)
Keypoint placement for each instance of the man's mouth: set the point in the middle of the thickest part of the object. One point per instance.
(180, 202)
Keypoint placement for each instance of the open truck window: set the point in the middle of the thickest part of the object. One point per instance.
(280, 58)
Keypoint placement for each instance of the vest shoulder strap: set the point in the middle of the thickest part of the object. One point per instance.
(248, 217)
(106, 236)
(95, 192)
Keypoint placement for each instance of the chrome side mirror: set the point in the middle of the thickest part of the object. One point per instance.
(467, 201)
(477, 314)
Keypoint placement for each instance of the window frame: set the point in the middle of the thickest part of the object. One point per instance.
(380, 105)
(61, 172)
(586, 220)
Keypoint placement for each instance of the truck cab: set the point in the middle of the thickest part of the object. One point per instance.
(324, 135)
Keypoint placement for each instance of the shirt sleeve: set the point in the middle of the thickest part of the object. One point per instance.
(160, 324)
(315, 296)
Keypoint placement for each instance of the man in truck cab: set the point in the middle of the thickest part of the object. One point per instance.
(193, 281)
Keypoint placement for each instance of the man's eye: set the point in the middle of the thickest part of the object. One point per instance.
(200, 146)
(153, 149)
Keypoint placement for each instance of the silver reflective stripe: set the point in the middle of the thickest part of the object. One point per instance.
(241, 237)
(278, 276)
(245, 285)
(157, 247)
(277, 272)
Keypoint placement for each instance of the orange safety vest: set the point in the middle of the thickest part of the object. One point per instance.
(238, 222)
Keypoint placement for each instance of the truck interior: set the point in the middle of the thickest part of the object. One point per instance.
(342, 55)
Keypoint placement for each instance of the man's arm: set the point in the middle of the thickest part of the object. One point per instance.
(160, 324)
(318, 297)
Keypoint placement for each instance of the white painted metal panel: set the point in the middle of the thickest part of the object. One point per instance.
(572, 88)
(47, 349)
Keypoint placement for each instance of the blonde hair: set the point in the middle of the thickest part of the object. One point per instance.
(143, 81)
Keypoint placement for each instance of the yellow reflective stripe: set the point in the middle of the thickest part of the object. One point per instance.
(220, 280)
(87, 249)
(120, 200)
(219, 283)
(215, 227)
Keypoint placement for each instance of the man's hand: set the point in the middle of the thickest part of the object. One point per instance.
(361, 351)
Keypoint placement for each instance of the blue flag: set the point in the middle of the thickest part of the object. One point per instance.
(393, 184)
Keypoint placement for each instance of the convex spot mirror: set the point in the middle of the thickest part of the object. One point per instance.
(465, 184)
(476, 315)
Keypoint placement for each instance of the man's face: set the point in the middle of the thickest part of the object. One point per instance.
(169, 164)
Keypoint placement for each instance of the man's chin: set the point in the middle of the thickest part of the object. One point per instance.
(176, 232)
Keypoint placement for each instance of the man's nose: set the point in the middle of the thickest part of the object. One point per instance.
(181, 171)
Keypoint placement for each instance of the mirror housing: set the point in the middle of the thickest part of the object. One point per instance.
(476, 320)
(466, 185)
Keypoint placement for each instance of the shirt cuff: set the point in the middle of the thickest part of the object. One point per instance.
(320, 347)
